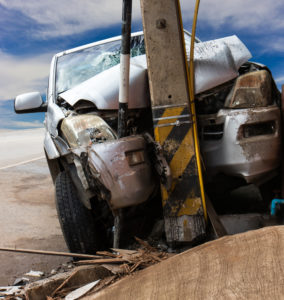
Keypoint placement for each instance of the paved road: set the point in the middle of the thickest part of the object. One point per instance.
(28, 215)
(17, 146)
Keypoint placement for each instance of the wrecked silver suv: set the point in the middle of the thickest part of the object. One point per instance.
(96, 174)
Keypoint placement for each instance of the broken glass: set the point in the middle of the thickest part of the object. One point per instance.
(76, 67)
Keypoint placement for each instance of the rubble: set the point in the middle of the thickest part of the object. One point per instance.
(21, 281)
(88, 276)
(120, 263)
(81, 291)
(35, 273)
(59, 285)
(7, 292)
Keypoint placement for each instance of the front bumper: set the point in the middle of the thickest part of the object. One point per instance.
(241, 142)
(124, 169)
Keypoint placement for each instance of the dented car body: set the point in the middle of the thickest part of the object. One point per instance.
(238, 118)
(242, 136)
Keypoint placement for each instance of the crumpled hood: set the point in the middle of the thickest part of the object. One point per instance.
(103, 88)
(216, 62)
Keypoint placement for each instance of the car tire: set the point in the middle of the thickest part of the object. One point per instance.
(77, 222)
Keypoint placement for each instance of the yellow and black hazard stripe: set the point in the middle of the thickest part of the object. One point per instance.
(174, 131)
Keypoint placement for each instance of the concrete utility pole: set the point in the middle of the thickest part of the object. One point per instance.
(184, 203)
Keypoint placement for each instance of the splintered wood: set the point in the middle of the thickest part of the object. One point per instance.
(129, 260)
(120, 263)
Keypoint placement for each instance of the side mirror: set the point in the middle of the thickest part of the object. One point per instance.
(29, 103)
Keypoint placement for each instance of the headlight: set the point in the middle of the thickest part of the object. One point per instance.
(251, 90)
(83, 130)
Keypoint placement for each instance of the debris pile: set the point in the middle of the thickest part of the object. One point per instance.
(120, 263)
(89, 276)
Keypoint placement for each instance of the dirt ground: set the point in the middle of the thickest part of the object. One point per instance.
(28, 220)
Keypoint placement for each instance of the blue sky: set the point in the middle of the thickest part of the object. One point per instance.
(33, 30)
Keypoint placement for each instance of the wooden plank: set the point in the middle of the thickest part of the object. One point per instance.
(45, 252)
(163, 32)
(101, 261)
(244, 266)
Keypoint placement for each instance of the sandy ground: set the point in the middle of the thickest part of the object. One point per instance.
(28, 215)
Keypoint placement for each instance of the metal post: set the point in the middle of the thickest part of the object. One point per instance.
(117, 229)
(123, 94)
(124, 68)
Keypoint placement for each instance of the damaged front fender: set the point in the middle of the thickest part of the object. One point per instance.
(124, 169)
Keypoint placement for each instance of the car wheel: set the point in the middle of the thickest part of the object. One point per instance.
(77, 222)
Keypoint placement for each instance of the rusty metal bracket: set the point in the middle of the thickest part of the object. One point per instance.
(158, 160)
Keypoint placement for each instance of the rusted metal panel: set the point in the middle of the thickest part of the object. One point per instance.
(124, 169)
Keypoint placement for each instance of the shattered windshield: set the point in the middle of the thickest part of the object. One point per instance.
(74, 68)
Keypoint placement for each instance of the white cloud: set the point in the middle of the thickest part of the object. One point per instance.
(280, 79)
(66, 17)
(26, 124)
(22, 74)
(12, 123)
(9, 119)
(252, 15)
(271, 44)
